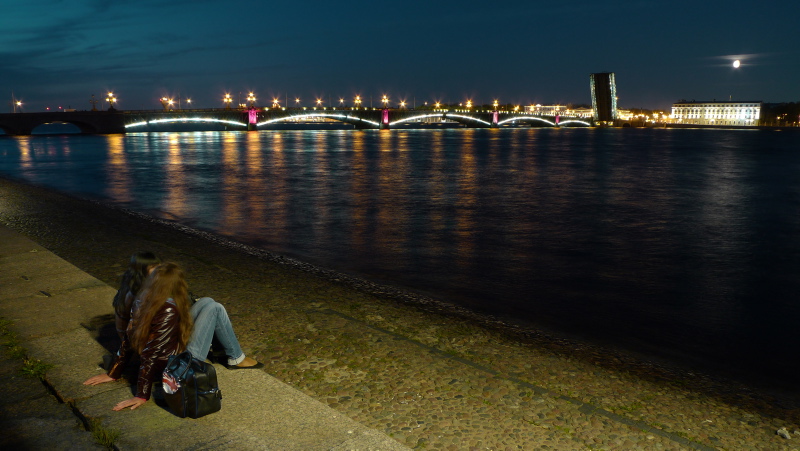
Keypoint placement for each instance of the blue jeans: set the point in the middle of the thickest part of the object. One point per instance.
(210, 319)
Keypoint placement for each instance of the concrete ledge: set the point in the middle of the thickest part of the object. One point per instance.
(39, 315)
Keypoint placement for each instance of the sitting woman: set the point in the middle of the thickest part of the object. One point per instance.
(138, 269)
(164, 323)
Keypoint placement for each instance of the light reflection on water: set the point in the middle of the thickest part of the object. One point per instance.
(119, 180)
(679, 243)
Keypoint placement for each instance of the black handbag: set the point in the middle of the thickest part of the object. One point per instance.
(190, 386)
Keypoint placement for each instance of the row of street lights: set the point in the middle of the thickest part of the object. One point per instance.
(276, 102)
(169, 103)
(357, 101)
(111, 99)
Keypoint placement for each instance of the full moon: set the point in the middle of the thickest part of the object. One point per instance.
(736, 64)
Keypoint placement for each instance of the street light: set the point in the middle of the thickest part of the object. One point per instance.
(319, 103)
(276, 103)
(469, 104)
(17, 106)
(357, 102)
(385, 101)
(167, 103)
(402, 104)
(111, 99)
(227, 101)
(495, 103)
(297, 102)
(252, 99)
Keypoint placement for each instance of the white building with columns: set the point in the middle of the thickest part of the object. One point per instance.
(732, 113)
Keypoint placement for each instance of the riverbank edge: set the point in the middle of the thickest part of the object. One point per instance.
(599, 354)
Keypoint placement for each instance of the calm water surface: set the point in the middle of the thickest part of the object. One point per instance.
(681, 244)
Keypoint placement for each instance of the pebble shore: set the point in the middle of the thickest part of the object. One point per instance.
(430, 377)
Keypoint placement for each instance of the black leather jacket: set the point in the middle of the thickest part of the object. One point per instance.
(162, 342)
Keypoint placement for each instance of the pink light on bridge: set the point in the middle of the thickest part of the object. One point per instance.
(558, 118)
(386, 117)
(253, 115)
(495, 115)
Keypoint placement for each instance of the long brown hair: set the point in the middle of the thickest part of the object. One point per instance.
(139, 269)
(165, 281)
(133, 279)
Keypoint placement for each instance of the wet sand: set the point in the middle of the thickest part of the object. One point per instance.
(430, 376)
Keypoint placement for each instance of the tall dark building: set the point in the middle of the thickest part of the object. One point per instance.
(604, 97)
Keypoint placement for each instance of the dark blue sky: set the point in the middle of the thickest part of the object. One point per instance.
(58, 53)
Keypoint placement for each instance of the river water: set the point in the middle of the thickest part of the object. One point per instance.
(682, 245)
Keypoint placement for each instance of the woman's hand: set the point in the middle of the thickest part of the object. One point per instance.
(132, 403)
(99, 379)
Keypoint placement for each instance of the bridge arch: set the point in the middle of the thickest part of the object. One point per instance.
(346, 118)
(527, 119)
(417, 117)
(575, 121)
(143, 124)
(83, 126)
(467, 120)
(28, 126)
(91, 122)
(66, 127)
(7, 130)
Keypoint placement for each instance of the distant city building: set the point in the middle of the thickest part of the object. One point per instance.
(545, 110)
(552, 110)
(746, 114)
(604, 97)
(625, 115)
(587, 113)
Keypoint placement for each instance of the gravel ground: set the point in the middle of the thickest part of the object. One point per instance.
(430, 376)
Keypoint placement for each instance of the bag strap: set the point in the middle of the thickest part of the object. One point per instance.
(181, 364)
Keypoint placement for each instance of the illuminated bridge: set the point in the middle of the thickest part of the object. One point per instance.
(114, 121)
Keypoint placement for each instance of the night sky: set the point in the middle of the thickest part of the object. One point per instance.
(58, 53)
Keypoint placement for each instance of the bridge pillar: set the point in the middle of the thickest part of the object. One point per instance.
(384, 119)
(495, 115)
(252, 120)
